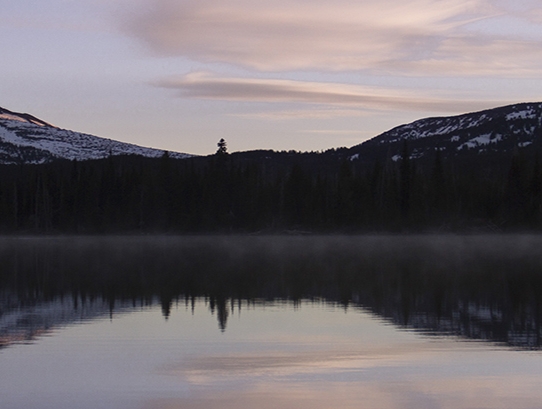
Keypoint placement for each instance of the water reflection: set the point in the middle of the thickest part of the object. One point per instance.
(479, 287)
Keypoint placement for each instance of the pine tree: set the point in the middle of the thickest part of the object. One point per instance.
(405, 174)
(222, 147)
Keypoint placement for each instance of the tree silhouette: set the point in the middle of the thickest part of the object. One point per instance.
(222, 147)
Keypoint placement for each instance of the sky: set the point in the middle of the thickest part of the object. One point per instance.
(286, 75)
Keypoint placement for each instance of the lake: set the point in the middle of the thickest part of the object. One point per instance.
(424, 321)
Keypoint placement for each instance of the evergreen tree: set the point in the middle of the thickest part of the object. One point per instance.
(222, 147)
(438, 188)
(405, 175)
(345, 195)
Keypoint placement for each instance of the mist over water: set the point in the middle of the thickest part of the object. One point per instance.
(476, 287)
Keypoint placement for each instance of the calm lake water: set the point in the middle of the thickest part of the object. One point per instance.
(271, 322)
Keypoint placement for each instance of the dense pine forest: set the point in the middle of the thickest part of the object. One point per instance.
(288, 192)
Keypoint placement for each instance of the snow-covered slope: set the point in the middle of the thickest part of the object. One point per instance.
(27, 139)
(501, 129)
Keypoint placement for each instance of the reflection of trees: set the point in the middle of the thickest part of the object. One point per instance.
(484, 288)
(219, 303)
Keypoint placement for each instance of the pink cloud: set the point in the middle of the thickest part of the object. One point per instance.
(300, 35)
(206, 86)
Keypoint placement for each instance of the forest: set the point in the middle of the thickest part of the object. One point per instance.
(286, 193)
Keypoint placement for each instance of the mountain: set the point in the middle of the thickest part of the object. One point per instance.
(477, 137)
(481, 141)
(494, 131)
(27, 139)
(486, 135)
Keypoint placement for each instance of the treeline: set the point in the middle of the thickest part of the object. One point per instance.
(229, 193)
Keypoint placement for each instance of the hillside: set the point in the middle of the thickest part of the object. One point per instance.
(495, 131)
(27, 139)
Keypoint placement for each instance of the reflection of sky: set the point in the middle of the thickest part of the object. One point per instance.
(293, 74)
(312, 356)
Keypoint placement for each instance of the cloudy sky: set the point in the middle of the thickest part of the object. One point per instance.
(283, 74)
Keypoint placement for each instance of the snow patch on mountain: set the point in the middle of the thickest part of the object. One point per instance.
(525, 114)
(484, 139)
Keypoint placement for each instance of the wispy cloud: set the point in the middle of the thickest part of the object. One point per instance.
(332, 131)
(206, 86)
(294, 113)
(400, 36)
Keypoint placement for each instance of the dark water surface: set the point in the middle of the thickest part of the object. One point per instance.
(271, 322)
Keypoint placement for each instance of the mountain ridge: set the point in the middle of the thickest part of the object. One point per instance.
(25, 138)
(18, 116)
(501, 129)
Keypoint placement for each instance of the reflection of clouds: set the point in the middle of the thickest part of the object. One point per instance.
(484, 392)
(437, 373)
(218, 369)
(416, 36)
(534, 15)
(339, 363)
(206, 86)
(322, 396)
(466, 393)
